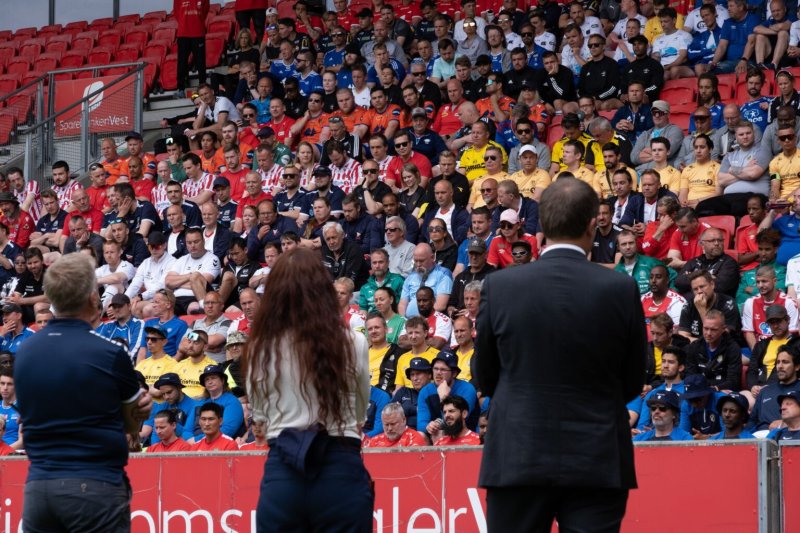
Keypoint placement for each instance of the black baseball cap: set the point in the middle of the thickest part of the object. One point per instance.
(418, 363)
(170, 378)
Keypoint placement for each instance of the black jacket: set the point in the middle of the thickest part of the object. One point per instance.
(653, 379)
(558, 87)
(544, 378)
(724, 268)
(349, 264)
(724, 371)
(600, 79)
(757, 370)
(648, 71)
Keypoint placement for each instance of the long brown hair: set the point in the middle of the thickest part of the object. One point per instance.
(299, 307)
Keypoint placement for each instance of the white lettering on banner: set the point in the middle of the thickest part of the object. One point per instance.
(95, 122)
(187, 526)
(451, 527)
(188, 519)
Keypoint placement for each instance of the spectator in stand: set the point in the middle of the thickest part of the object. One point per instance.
(767, 243)
(215, 382)
(733, 412)
(661, 299)
(716, 355)
(705, 41)
(63, 185)
(416, 337)
(395, 431)
(592, 154)
(725, 137)
(20, 224)
(215, 324)
(766, 413)
(418, 375)
(699, 414)
(634, 117)
(746, 233)
(671, 48)
(756, 109)
(440, 328)
(632, 263)
(737, 40)
(29, 290)
(445, 384)
(163, 309)
(665, 413)
(762, 367)
(213, 110)
(13, 330)
(699, 178)
(671, 368)
(383, 354)
(642, 209)
(784, 170)
(453, 429)
(400, 250)
(604, 244)
(511, 230)
(701, 124)
(381, 276)
(662, 127)
(706, 300)
(755, 324)
(157, 363)
(790, 418)
(213, 439)
(772, 37)
(478, 269)
(713, 260)
(165, 424)
(191, 274)
(342, 257)
(684, 243)
(27, 192)
(556, 83)
(456, 218)
(191, 40)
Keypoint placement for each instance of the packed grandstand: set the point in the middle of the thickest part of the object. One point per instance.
(409, 143)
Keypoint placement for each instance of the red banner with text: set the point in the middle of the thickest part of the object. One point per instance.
(111, 110)
(431, 491)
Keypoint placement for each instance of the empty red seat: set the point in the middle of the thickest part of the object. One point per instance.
(85, 40)
(79, 24)
(26, 79)
(115, 71)
(28, 32)
(675, 95)
(6, 53)
(127, 55)
(124, 26)
(168, 24)
(157, 50)
(100, 56)
(169, 73)
(681, 120)
(51, 27)
(105, 21)
(6, 35)
(73, 59)
(138, 35)
(159, 15)
(164, 34)
(9, 82)
(137, 47)
(31, 48)
(133, 17)
(150, 74)
(56, 47)
(18, 65)
(45, 64)
(214, 48)
(6, 126)
(110, 38)
(220, 24)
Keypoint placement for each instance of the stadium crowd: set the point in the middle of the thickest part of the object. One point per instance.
(409, 143)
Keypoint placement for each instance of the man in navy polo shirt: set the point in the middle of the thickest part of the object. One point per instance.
(77, 448)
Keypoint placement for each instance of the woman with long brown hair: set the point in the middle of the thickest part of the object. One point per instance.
(308, 379)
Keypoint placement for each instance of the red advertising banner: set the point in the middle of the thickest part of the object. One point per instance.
(111, 110)
(790, 470)
(433, 491)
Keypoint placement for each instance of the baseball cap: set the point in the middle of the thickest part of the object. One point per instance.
(418, 112)
(790, 394)
(237, 337)
(12, 308)
(118, 300)
(476, 244)
(212, 370)
(527, 148)
(696, 386)
(736, 398)
(272, 11)
(510, 216)
(661, 105)
(448, 358)
(221, 181)
(418, 363)
(666, 397)
(156, 238)
(352, 48)
(157, 330)
(170, 378)
(776, 312)
(322, 171)
(134, 135)
(265, 132)
(527, 86)
(366, 12)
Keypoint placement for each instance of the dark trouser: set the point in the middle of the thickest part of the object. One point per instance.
(339, 499)
(259, 18)
(182, 304)
(78, 504)
(533, 509)
(197, 47)
(728, 204)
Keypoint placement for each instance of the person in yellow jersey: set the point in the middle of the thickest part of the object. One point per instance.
(493, 159)
(784, 169)
(531, 180)
(670, 176)
(159, 363)
(464, 345)
(572, 156)
(591, 156)
(416, 333)
(190, 368)
(383, 355)
(699, 179)
(653, 28)
(604, 178)
(471, 163)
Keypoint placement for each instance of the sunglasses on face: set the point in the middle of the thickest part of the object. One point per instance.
(290, 175)
(660, 408)
(490, 158)
(392, 230)
(657, 113)
(436, 229)
(595, 45)
(401, 145)
(526, 34)
(314, 100)
(506, 225)
(785, 138)
(519, 253)
(338, 34)
(469, 24)
(369, 170)
(153, 339)
(486, 190)
(418, 73)
(249, 115)
(523, 132)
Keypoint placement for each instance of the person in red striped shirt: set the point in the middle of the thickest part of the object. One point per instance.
(28, 193)
(210, 423)
(165, 423)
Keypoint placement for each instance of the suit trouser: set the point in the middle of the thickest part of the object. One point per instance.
(533, 509)
(197, 47)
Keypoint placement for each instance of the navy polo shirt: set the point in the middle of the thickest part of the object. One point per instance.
(71, 384)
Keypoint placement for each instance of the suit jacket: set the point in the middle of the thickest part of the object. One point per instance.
(561, 347)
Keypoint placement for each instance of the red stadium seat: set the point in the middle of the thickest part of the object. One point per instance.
(73, 59)
(6, 53)
(6, 35)
(51, 27)
(110, 38)
(688, 107)
(164, 34)
(169, 73)
(157, 50)
(28, 32)
(554, 134)
(726, 223)
(47, 35)
(607, 114)
(150, 74)
(681, 120)
(77, 24)
(220, 24)
(45, 64)
(18, 65)
(133, 17)
(167, 24)
(677, 94)
(105, 21)
(100, 56)
(124, 26)
(286, 8)
(131, 46)
(214, 49)
(128, 55)
(727, 86)
(115, 71)
(31, 48)
(20, 106)
(59, 46)
(9, 82)
(159, 15)
(6, 126)
(85, 40)
(138, 35)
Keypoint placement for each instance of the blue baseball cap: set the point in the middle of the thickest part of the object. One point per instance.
(418, 363)
(739, 400)
(448, 358)
(696, 386)
(667, 397)
(158, 330)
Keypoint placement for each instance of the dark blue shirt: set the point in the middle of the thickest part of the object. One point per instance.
(71, 384)
(736, 33)
(48, 224)
(227, 214)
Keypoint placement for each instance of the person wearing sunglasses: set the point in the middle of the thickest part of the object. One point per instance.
(599, 77)
(159, 362)
(511, 230)
(531, 177)
(665, 410)
(312, 126)
(662, 127)
(509, 197)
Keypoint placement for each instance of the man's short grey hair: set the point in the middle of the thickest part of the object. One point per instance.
(392, 408)
(335, 226)
(599, 123)
(399, 221)
(69, 283)
(473, 286)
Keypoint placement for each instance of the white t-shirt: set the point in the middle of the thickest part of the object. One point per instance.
(794, 34)
(592, 26)
(696, 24)
(513, 40)
(362, 99)
(668, 46)
(459, 34)
(208, 264)
(793, 273)
(263, 271)
(128, 269)
(619, 28)
(568, 58)
(222, 105)
(747, 317)
(546, 40)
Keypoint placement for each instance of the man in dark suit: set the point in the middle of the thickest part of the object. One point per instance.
(560, 445)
